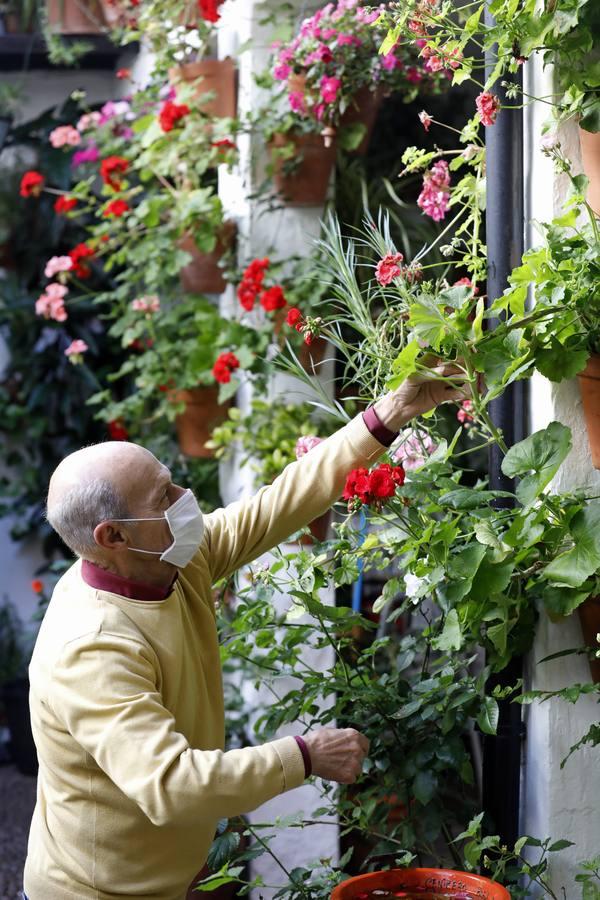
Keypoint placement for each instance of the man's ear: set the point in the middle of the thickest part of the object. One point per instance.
(110, 536)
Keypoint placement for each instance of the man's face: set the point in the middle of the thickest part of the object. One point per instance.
(149, 492)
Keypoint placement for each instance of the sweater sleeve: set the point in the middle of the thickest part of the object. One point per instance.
(238, 533)
(105, 691)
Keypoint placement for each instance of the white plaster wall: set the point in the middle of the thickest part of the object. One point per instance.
(282, 231)
(558, 803)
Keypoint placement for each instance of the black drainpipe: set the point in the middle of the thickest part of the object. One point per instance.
(504, 238)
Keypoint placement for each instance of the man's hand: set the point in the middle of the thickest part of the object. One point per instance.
(337, 754)
(420, 393)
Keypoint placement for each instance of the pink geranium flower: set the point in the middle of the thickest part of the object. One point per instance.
(89, 120)
(75, 351)
(88, 154)
(425, 119)
(65, 135)
(416, 446)
(51, 303)
(282, 72)
(435, 196)
(296, 100)
(57, 264)
(329, 88)
(464, 413)
(306, 443)
(389, 268)
(148, 304)
(487, 106)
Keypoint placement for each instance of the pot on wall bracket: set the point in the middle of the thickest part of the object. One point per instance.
(589, 386)
(426, 883)
(363, 110)
(589, 142)
(214, 75)
(76, 16)
(306, 184)
(203, 275)
(202, 413)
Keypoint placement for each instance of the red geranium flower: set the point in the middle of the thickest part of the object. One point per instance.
(65, 204)
(372, 487)
(37, 586)
(273, 298)
(81, 251)
(111, 166)
(31, 184)
(209, 10)
(357, 485)
(246, 293)
(224, 145)
(117, 430)
(293, 317)
(224, 366)
(123, 73)
(171, 113)
(116, 208)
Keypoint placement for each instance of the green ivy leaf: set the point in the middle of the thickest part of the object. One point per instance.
(543, 452)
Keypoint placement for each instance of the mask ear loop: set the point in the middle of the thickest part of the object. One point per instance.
(146, 519)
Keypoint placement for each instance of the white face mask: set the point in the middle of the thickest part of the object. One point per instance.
(187, 527)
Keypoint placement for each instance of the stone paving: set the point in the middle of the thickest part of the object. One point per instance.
(17, 801)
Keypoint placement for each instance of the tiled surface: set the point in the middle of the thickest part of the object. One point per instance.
(17, 801)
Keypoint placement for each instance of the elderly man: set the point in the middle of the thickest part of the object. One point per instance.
(126, 694)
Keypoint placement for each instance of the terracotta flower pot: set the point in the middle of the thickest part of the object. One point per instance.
(307, 184)
(589, 617)
(589, 386)
(427, 884)
(311, 355)
(76, 16)
(203, 275)
(202, 413)
(218, 75)
(589, 143)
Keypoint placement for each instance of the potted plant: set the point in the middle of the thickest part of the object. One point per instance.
(415, 883)
(300, 165)
(336, 76)
(75, 16)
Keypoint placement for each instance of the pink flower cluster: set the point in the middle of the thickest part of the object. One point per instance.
(51, 303)
(88, 120)
(464, 413)
(57, 264)
(487, 106)
(305, 444)
(75, 351)
(65, 135)
(416, 446)
(434, 198)
(391, 267)
(148, 304)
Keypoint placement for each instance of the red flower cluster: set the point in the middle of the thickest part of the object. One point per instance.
(117, 430)
(116, 208)
(273, 298)
(209, 10)
(251, 283)
(37, 586)
(294, 318)
(65, 204)
(223, 145)
(224, 366)
(111, 166)
(123, 73)
(31, 184)
(80, 269)
(364, 487)
(171, 113)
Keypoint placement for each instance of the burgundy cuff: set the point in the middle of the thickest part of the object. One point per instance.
(377, 428)
(305, 755)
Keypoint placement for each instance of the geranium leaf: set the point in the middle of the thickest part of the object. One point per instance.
(573, 567)
(543, 452)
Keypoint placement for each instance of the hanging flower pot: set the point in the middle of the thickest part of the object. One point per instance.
(589, 617)
(589, 386)
(306, 183)
(589, 142)
(203, 275)
(215, 75)
(76, 16)
(420, 884)
(202, 413)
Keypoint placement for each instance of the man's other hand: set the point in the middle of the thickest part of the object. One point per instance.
(337, 754)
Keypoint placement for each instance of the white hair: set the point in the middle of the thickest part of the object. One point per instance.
(81, 508)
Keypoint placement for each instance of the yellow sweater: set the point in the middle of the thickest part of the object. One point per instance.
(127, 708)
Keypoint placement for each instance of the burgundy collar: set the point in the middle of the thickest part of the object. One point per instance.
(126, 587)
